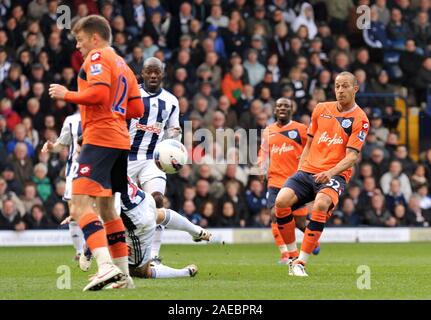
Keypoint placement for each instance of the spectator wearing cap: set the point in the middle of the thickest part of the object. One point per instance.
(258, 18)
(13, 184)
(232, 85)
(258, 43)
(219, 46)
(377, 126)
(306, 18)
(396, 171)
(217, 18)
(255, 70)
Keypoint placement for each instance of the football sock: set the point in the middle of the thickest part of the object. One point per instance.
(157, 241)
(162, 271)
(77, 237)
(286, 227)
(278, 238)
(116, 235)
(173, 220)
(95, 237)
(312, 233)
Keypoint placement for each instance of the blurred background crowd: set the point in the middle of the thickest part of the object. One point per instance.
(227, 61)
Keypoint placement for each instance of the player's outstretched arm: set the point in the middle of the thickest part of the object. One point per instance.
(93, 95)
(348, 161)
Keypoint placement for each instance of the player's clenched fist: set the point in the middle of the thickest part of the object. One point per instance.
(57, 91)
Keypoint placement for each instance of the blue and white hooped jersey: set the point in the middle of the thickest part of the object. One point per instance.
(161, 112)
(69, 135)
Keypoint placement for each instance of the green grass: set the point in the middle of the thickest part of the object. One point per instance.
(398, 271)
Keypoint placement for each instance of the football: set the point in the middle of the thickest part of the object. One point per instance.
(170, 156)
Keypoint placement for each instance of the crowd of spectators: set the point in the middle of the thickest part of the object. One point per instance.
(227, 61)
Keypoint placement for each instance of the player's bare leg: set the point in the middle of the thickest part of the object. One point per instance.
(312, 234)
(116, 235)
(286, 198)
(84, 212)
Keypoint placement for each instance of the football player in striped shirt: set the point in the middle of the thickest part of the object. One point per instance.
(160, 120)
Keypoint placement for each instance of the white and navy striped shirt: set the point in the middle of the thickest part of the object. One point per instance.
(70, 132)
(161, 112)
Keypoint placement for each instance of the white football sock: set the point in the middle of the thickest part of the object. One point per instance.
(173, 220)
(157, 241)
(77, 237)
(292, 247)
(282, 248)
(162, 271)
(123, 264)
(102, 256)
(303, 256)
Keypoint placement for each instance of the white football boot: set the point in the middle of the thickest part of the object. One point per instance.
(107, 274)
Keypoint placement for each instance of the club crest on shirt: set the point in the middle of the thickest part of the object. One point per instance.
(95, 69)
(292, 134)
(346, 123)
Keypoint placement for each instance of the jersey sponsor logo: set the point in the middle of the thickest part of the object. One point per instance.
(153, 129)
(84, 170)
(325, 138)
(95, 69)
(346, 123)
(95, 56)
(362, 135)
(281, 149)
(292, 134)
(326, 116)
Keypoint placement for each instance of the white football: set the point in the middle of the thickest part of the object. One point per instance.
(170, 156)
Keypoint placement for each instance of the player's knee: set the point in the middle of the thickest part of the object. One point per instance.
(158, 198)
(80, 205)
(323, 203)
(285, 198)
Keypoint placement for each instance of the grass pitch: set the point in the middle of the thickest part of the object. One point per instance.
(397, 271)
